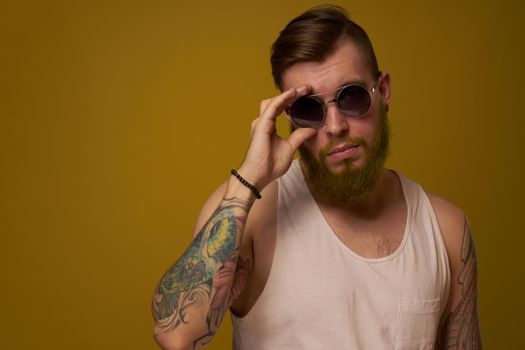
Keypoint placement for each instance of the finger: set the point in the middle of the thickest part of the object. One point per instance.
(277, 105)
(300, 135)
(263, 105)
(253, 126)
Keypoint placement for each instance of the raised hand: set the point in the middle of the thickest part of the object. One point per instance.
(269, 155)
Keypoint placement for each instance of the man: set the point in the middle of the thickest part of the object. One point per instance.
(339, 252)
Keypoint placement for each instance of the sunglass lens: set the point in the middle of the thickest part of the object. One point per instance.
(307, 112)
(354, 100)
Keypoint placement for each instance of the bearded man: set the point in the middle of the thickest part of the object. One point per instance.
(335, 251)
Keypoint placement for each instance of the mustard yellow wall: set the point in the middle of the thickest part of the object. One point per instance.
(118, 118)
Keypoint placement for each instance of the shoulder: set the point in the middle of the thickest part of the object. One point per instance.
(453, 225)
(450, 217)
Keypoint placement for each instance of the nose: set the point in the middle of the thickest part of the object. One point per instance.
(336, 124)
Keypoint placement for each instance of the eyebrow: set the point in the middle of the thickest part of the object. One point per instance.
(346, 83)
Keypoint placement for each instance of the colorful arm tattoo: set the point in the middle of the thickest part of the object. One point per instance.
(201, 280)
(461, 327)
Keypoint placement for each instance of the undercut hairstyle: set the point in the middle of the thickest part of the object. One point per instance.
(314, 36)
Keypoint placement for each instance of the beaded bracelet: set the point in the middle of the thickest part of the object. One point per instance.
(246, 183)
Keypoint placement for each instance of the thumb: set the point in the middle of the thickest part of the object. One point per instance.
(300, 135)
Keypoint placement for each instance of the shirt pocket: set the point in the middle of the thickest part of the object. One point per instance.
(418, 323)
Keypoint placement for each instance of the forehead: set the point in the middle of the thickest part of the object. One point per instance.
(345, 65)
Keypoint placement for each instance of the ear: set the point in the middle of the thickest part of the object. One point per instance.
(384, 87)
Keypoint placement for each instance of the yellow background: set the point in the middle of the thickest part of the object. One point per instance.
(118, 118)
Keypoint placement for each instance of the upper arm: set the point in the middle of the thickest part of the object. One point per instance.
(460, 325)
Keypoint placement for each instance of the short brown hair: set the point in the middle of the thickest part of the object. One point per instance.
(315, 35)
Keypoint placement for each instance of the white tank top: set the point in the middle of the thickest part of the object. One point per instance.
(322, 295)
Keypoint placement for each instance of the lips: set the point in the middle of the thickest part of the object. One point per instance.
(343, 152)
(341, 149)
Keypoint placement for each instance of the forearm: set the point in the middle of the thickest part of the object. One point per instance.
(192, 297)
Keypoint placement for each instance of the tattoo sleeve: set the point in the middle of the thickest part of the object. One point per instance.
(201, 280)
(460, 330)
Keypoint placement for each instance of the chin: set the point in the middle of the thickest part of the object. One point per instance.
(351, 164)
